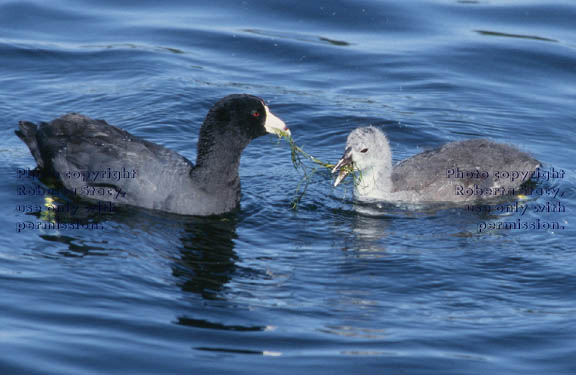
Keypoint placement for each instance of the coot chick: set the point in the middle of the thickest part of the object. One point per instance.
(458, 171)
(99, 161)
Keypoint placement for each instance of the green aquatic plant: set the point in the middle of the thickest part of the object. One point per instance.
(300, 159)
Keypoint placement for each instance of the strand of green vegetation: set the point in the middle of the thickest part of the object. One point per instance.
(298, 157)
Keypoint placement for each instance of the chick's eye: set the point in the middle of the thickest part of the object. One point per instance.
(254, 113)
(364, 150)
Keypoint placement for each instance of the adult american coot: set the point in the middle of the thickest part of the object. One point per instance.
(99, 161)
(458, 171)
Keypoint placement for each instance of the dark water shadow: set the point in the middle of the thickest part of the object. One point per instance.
(207, 259)
(298, 37)
(521, 36)
(201, 250)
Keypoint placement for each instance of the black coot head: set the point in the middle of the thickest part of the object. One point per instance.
(244, 115)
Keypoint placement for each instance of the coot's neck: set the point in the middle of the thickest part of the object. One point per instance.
(376, 178)
(375, 183)
(218, 157)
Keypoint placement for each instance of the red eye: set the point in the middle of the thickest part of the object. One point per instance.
(255, 113)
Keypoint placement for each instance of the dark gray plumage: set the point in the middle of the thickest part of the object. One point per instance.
(161, 178)
(443, 174)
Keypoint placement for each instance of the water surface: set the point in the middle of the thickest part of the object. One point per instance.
(336, 286)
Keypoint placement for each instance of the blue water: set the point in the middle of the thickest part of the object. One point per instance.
(336, 286)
